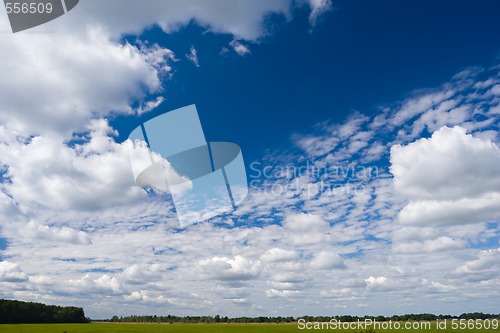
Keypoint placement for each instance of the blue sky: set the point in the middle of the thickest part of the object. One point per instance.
(361, 55)
(369, 132)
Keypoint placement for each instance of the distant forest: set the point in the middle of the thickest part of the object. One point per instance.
(263, 319)
(17, 312)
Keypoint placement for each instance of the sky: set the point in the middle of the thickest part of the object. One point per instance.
(370, 137)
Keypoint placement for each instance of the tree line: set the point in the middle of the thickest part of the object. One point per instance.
(263, 319)
(199, 319)
(17, 312)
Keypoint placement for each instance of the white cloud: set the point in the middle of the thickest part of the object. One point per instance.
(327, 260)
(379, 283)
(238, 268)
(306, 229)
(305, 223)
(411, 233)
(140, 274)
(462, 166)
(43, 232)
(147, 296)
(339, 141)
(104, 283)
(338, 293)
(316, 145)
(445, 114)
(414, 106)
(442, 243)
(495, 90)
(42, 280)
(193, 56)
(107, 282)
(452, 178)
(240, 48)
(281, 293)
(486, 260)
(243, 19)
(318, 8)
(150, 105)
(452, 212)
(277, 255)
(11, 272)
(47, 172)
(352, 126)
(72, 79)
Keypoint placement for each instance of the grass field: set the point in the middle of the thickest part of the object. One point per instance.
(208, 328)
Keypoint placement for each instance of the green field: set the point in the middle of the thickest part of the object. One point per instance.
(209, 328)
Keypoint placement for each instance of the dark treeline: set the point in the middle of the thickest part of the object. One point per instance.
(199, 319)
(219, 319)
(17, 312)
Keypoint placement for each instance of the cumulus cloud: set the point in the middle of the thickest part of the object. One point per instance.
(462, 166)
(277, 254)
(451, 178)
(485, 261)
(238, 268)
(452, 212)
(11, 272)
(306, 229)
(44, 232)
(72, 79)
(140, 274)
(146, 296)
(48, 172)
(327, 260)
(379, 283)
(305, 223)
(104, 283)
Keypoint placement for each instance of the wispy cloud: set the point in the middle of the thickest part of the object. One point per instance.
(239, 47)
(193, 56)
